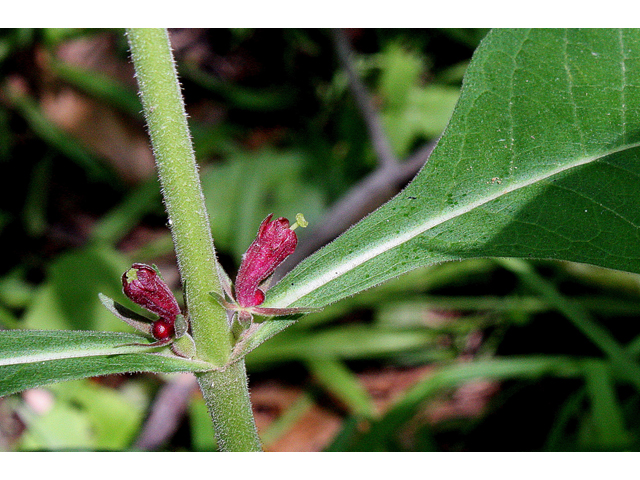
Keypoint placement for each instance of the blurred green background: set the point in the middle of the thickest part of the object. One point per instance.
(472, 356)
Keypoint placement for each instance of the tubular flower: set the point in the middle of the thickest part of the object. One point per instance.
(142, 284)
(275, 242)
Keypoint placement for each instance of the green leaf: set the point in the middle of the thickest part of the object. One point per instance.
(115, 417)
(63, 427)
(31, 358)
(411, 112)
(400, 72)
(540, 160)
(426, 115)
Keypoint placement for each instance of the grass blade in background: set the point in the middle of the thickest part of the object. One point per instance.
(334, 375)
(100, 86)
(581, 319)
(389, 426)
(59, 140)
(607, 418)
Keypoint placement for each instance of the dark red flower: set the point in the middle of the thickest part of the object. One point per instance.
(275, 242)
(142, 284)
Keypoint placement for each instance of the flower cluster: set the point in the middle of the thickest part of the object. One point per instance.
(142, 284)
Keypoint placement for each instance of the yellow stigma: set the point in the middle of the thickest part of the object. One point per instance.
(300, 222)
(132, 275)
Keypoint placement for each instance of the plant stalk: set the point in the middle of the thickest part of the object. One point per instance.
(233, 421)
(225, 390)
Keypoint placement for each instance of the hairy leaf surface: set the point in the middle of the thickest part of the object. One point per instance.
(31, 358)
(541, 159)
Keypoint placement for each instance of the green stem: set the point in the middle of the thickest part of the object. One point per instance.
(233, 419)
(177, 169)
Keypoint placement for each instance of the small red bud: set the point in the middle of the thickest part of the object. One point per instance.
(142, 284)
(274, 243)
(162, 329)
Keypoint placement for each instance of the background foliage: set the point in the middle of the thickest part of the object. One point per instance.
(473, 355)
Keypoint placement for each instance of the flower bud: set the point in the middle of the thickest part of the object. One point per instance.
(163, 329)
(275, 242)
(142, 284)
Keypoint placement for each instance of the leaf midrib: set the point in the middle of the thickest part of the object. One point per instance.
(80, 351)
(65, 354)
(337, 270)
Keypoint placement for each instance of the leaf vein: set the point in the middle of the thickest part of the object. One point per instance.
(304, 288)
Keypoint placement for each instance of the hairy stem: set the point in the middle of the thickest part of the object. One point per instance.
(166, 118)
(233, 422)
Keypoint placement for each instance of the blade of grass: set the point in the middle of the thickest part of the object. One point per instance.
(289, 418)
(34, 213)
(60, 140)
(390, 425)
(633, 347)
(345, 438)
(113, 226)
(340, 381)
(606, 414)
(99, 86)
(601, 304)
(579, 317)
(347, 343)
(241, 97)
(557, 438)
